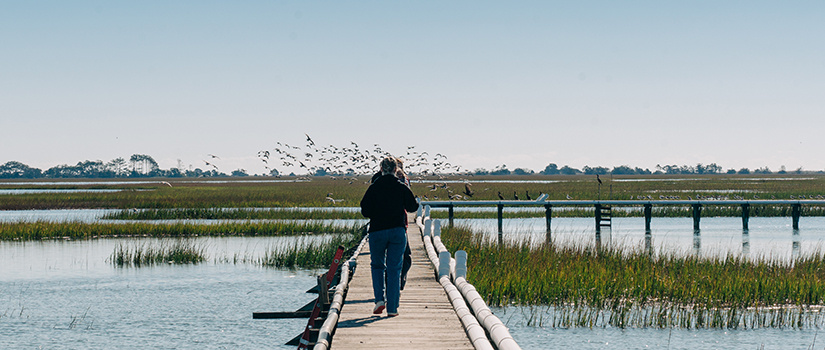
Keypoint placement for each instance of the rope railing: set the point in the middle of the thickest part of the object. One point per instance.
(452, 276)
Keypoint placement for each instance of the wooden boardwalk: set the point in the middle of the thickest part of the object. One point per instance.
(426, 318)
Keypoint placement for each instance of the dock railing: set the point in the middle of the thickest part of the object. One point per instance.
(328, 327)
(484, 329)
(697, 205)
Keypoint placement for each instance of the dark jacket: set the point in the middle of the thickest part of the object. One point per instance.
(386, 203)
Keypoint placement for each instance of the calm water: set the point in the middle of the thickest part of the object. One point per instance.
(64, 295)
(771, 238)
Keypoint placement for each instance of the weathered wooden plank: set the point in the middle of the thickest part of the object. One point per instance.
(426, 318)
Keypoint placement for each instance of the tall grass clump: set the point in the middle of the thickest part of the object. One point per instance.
(308, 252)
(623, 287)
(181, 251)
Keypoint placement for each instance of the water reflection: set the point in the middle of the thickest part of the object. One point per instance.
(719, 236)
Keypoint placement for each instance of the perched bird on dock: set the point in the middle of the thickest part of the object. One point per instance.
(500, 196)
(527, 194)
(568, 196)
(515, 196)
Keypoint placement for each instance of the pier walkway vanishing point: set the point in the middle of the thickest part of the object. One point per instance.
(428, 316)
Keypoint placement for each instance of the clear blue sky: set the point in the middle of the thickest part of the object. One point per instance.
(599, 83)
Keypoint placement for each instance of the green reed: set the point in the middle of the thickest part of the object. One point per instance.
(308, 253)
(78, 230)
(630, 287)
(180, 251)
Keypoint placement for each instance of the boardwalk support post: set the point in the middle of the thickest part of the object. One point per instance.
(648, 216)
(548, 211)
(697, 214)
(452, 214)
(500, 208)
(598, 218)
(745, 215)
(796, 211)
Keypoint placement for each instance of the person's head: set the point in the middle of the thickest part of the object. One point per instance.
(388, 166)
(399, 163)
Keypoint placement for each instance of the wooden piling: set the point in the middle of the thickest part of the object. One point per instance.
(745, 215)
(500, 208)
(451, 211)
(796, 212)
(648, 216)
(697, 214)
(548, 211)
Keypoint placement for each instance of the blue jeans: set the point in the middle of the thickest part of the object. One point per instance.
(386, 257)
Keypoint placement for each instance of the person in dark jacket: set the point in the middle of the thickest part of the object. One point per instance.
(404, 179)
(386, 204)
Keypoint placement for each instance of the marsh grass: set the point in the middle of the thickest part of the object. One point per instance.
(233, 214)
(179, 251)
(630, 287)
(308, 253)
(231, 194)
(78, 230)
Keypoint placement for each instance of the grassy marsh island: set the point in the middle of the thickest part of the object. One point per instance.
(583, 286)
(79, 230)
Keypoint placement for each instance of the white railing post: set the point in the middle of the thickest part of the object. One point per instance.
(461, 264)
(443, 264)
(428, 227)
(437, 228)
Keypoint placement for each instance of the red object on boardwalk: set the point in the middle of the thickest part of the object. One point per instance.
(316, 311)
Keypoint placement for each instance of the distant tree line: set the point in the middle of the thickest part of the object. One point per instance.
(141, 165)
(698, 169)
(138, 165)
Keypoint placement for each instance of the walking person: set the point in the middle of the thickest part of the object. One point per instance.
(404, 179)
(386, 204)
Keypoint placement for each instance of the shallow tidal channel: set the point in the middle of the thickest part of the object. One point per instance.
(66, 295)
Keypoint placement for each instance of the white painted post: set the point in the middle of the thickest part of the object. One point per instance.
(461, 264)
(443, 264)
(428, 227)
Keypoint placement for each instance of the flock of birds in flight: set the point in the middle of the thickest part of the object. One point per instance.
(349, 160)
(353, 160)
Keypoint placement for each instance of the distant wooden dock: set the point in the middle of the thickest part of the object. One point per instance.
(426, 318)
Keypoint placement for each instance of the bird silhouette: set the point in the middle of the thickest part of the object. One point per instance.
(527, 194)
(500, 196)
(467, 190)
(568, 196)
(515, 195)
